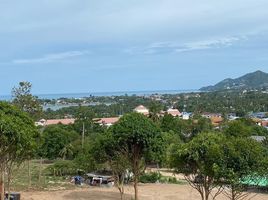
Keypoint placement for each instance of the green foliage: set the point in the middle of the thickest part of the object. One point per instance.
(138, 135)
(84, 117)
(170, 123)
(244, 128)
(201, 156)
(237, 129)
(154, 109)
(18, 134)
(201, 161)
(63, 168)
(244, 159)
(24, 100)
(186, 129)
(237, 102)
(151, 177)
(86, 162)
(142, 141)
(154, 177)
(54, 139)
(253, 80)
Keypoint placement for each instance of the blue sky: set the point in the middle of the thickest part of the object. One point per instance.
(67, 46)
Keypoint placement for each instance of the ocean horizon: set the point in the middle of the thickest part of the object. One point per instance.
(99, 94)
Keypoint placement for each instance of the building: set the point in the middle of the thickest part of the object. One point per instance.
(264, 123)
(48, 122)
(109, 121)
(259, 115)
(216, 118)
(186, 116)
(174, 112)
(216, 121)
(211, 115)
(141, 109)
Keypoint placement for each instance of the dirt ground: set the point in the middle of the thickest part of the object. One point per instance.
(146, 192)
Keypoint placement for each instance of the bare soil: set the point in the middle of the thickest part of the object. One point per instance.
(146, 192)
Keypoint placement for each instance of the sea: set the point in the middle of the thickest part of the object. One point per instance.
(99, 94)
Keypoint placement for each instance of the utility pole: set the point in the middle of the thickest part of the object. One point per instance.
(83, 135)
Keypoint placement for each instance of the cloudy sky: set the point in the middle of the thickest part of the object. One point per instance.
(65, 46)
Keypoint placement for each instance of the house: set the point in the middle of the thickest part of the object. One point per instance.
(259, 115)
(264, 123)
(174, 112)
(186, 116)
(216, 121)
(41, 122)
(141, 109)
(215, 118)
(232, 116)
(109, 121)
(210, 115)
(48, 122)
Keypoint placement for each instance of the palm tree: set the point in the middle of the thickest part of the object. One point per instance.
(66, 151)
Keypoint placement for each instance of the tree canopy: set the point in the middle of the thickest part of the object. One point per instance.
(139, 136)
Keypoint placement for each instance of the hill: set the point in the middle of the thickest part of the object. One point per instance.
(255, 80)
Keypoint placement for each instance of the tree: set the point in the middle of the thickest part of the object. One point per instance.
(106, 150)
(170, 123)
(84, 118)
(139, 136)
(154, 110)
(201, 161)
(237, 129)
(24, 100)
(244, 160)
(199, 124)
(28, 103)
(18, 138)
(55, 140)
(66, 151)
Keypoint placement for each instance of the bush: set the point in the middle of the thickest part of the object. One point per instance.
(171, 180)
(151, 177)
(63, 168)
(154, 177)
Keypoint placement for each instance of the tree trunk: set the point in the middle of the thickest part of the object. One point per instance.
(2, 184)
(135, 173)
(9, 177)
(136, 188)
(29, 174)
(121, 190)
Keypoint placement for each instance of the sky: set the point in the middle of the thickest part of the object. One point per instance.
(73, 46)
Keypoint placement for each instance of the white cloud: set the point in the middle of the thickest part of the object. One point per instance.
(209, 44)
(51, 57)
(171, 47)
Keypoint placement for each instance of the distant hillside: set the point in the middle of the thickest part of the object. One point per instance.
(255, 80)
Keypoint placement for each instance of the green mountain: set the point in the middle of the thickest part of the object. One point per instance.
(255, 80)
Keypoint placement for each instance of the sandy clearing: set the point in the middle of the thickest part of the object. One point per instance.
(147, 192)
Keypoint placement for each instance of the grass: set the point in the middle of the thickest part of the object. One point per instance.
(20, 180)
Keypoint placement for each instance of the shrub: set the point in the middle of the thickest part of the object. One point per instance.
(151, 177)
(63, 168)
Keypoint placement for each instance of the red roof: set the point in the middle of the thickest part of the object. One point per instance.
(108, 120)
(59, 121)
(174, 112)
(264, 123)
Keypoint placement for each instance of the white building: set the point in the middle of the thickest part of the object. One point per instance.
(142, 109)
